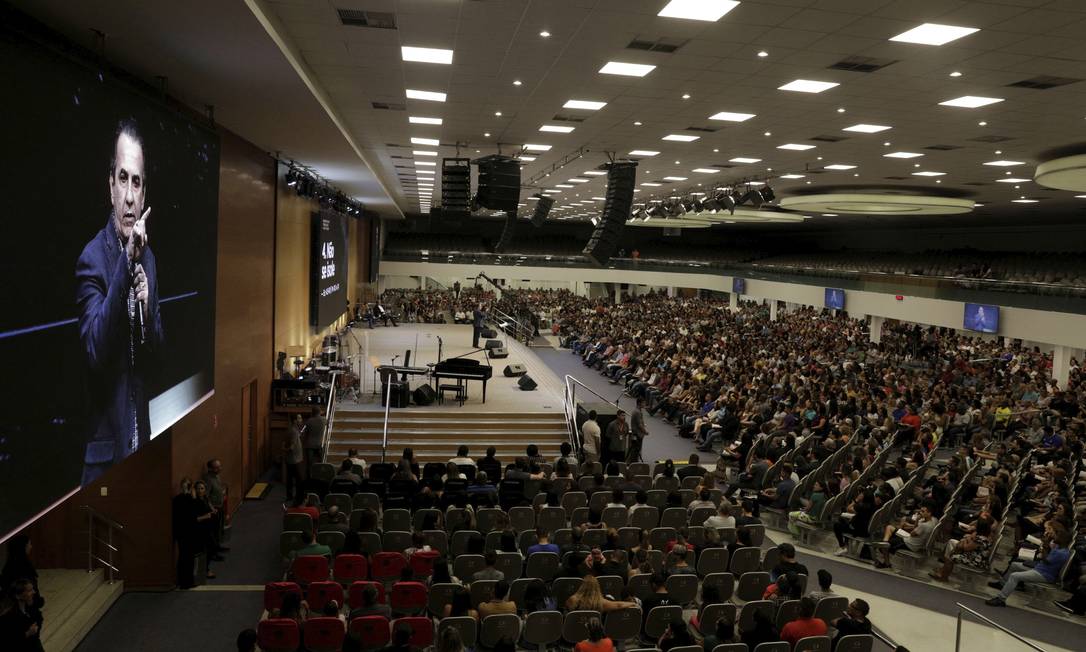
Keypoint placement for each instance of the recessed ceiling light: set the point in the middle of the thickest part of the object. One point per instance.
(1012, 180)
(706, 170)
(594, 173)
(795, 146)
(637, 123)
(763, 53)
(971, 101)
(498, 114)
(626, 69)
(416, 120)
(428, 172)
(426, 55)
(433, 142)
(420, 152)
(792, 176)
(650, 184)
(674, 178)
(1080, 196)
(537, 148)
(955, 74)
(577, 180)
(807, 86)
(682, 138)
(1004, 164)
(643, 152)
(545, 34)
(562, 185)
(517, 82)
(587, 105)
(840, 166)
(431, 96)
(866, 128)
(829, 214)
(934, 34)
(768, 133)
(425, 163)
(744, 159)
(1023, 200)
(982, 123)
(731, 117)
(902, 155)
(928, 173)
(486, 134)
(706, 10)
(558, 129)
(841, 109)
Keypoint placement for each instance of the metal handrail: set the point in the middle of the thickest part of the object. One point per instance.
(111, 526)
(569, 407)
(384, 436)
(520, 331)
(886, 640)
(958, 633)
(330, 411)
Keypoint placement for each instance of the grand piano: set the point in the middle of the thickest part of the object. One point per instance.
(463, 369)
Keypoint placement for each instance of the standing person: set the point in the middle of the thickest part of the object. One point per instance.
(638, 432)
(19, 566)
(120, 328)
(478, 317)
(216, 496)
(314, 438)
(590, 438)
(203, 533)
(456, 290)
(20, 626)
(617, 433)
(294, 458)
(185, 533)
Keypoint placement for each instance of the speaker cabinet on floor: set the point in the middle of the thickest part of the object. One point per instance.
(617, 204)
(424, 395)
(512, 370)
(493, 344)
(499, 352)
(526, 383)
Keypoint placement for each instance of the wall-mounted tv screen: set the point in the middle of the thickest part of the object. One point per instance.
(835, 298)
(981, 317)
(111, 205)
(739, 286)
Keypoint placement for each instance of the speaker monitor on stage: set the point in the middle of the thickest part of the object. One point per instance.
(424, 395)
(499, 352)
(512, 370)
(493, 344)
(526, 383)
(488, 333)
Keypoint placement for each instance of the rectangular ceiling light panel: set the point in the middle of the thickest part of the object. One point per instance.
(626, 69)
(706, 10)
(426, 55)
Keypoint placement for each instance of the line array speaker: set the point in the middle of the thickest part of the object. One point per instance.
(499, 183)
(542, 208)
(508, 231)
(456, 186)
(616, 210)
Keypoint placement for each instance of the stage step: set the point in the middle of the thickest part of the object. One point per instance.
(75, 601)
(346, 413)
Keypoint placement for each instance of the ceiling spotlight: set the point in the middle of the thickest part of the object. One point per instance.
(982, 123)
(841, 109)
(498, 113)
(767, 133)
(517, 82)
(292, 178)
(763, 53)
(486, 134)
(955, 74)
(637, 123)
(545, 34)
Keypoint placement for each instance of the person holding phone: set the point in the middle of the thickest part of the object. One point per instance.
(120, 328)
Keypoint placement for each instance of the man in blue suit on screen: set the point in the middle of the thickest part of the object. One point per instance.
(120, 328)
(982, 320)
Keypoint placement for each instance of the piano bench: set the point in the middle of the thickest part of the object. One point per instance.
(458, 390)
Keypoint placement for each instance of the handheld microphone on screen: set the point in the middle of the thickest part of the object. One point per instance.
(141, 319)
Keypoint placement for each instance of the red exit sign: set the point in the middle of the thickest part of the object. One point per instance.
(899, 297)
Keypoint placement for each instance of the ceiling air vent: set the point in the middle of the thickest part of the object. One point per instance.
(991, 139)
(707, 130)
(975, 183)
(398, 156)
(723, 166)
(825, 138)
(358, 18)
(943, 148)
(663, 44)
(567, 118)
(1043, 82)
(862, 64)
(897, 178)
(389, 106)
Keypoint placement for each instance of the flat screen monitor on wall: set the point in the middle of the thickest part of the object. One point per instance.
(110, 201)
(328, 273)
(981, 317)
(739, 286)
(835, 298)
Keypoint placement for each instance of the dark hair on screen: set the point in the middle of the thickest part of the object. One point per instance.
(126, 127)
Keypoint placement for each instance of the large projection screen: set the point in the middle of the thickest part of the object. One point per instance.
(106, 344)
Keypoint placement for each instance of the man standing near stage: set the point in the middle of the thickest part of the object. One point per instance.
(120, 328)
(638, 432)
(478, 317)
(615, 439)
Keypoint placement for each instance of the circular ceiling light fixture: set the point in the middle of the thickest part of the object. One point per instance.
(1063, 173)
(877, 203)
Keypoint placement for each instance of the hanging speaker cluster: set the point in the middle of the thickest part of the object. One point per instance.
(543, 206)
(456, 185)
(617, 204)
(499, 183)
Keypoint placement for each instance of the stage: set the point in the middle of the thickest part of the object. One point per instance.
(387, 346)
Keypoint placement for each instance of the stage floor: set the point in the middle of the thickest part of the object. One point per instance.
(380, 345)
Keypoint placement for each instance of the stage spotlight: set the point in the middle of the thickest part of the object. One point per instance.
(292, 178)
(768, 194)
(675, 209)
(730, 201)
(698, 205)
(752, 197)
(713, 204)
(655, 211)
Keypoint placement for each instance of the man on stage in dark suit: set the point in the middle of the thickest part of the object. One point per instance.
(478, 317)
(120, 328)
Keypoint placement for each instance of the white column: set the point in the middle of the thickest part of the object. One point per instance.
(1061, 363)
(876, 329)
(733, 302)
(671, 291)
(618, 293)
(422, 282)
(772, 310)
